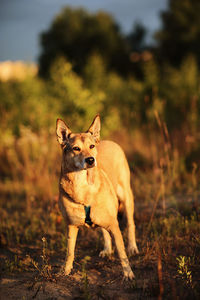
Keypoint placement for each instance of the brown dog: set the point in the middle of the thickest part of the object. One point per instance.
(94, 177)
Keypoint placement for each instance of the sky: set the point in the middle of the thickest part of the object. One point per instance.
(21, 21)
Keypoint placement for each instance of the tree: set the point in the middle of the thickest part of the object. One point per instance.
(180, 33)
(136, 38)
(76, 35)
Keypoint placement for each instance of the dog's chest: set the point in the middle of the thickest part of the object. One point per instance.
(81, 187)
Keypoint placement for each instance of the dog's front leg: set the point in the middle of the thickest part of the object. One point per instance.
(115, 231)
(71, 242)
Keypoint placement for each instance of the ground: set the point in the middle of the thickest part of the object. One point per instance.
(162, 268)
(102, 279)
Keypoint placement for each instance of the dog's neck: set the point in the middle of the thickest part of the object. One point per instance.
(87, 174)
(81, 186)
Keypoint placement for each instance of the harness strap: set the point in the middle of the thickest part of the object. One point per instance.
(87, 215)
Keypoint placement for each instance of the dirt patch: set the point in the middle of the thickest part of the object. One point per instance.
(100, 278)
(104, 281)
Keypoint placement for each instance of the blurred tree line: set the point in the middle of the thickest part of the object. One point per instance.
(180, 33)
(77, 35)
(88, 66)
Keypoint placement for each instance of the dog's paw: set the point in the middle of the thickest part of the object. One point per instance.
(128, 275)
(133, 250)
(105, 253)
(65, 270)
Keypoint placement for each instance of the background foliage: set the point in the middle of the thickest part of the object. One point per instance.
(90, 67)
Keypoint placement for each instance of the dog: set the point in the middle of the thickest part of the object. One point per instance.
(95, 178)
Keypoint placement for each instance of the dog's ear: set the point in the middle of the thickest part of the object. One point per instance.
(95, 127)
(62, 131)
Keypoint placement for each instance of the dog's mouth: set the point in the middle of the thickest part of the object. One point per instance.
(90, 166)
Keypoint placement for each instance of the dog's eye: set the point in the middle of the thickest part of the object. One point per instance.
(92, 146)
(76, 149)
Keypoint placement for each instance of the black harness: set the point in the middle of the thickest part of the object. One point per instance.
(87, 215)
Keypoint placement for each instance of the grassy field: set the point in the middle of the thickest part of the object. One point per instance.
(32, 232)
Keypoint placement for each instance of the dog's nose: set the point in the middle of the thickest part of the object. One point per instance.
(89, 160)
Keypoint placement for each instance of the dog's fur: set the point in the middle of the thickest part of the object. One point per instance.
(95, 174)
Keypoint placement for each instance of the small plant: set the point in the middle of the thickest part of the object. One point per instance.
(44, 272)
(13, 265)
(183, 269)
(86, 291)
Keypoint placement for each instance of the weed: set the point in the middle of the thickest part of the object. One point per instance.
(44, 271)
(15, 265)
(86, 291)
(184, 271)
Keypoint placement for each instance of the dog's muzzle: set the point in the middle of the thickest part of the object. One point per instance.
(90, 160)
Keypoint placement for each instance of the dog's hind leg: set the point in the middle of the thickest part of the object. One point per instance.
(107, 251)
(125, 195)
(71, 242)
(116, 233)
(129, 208)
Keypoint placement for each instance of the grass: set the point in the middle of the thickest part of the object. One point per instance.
(167, 213)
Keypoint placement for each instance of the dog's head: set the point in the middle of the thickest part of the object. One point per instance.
(79, 149)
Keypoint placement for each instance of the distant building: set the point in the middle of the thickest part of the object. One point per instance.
(17, 70)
